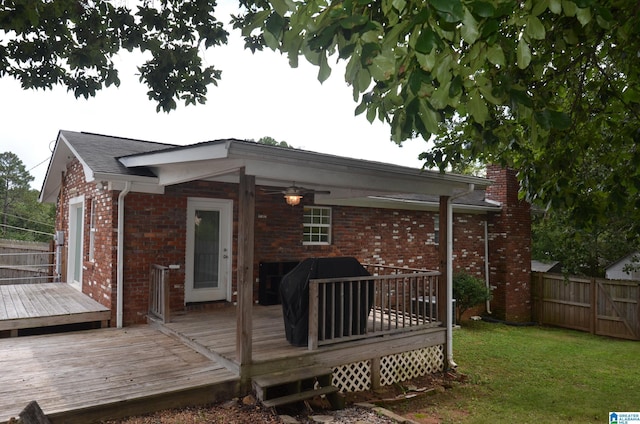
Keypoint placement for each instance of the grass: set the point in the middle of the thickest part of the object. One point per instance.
(534, 375)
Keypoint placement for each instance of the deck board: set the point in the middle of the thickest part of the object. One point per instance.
(89, 369)
(40, 305)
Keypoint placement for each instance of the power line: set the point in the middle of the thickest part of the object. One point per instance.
(29, 220)
(25, 229)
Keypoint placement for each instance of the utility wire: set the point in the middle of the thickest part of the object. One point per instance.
(29, 220)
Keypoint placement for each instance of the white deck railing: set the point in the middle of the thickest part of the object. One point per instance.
(159, 293)
(345, 309)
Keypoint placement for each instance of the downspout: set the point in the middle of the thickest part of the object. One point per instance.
(450, 362)
(120, 269)
(486, 261)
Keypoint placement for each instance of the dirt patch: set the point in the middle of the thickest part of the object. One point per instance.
(247, 410)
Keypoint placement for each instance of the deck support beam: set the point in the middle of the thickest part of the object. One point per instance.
(246, 220)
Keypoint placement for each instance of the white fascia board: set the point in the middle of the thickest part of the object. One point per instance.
(63, 153)
(403, 204)
(325, 161)
(136, 187)
(177, 155)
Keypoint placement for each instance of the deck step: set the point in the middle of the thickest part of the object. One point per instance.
(284, 387)
(297, 397)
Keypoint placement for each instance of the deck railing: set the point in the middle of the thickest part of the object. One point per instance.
(345, 309)
(159, 293)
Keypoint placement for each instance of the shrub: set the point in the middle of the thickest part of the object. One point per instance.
(468, 291)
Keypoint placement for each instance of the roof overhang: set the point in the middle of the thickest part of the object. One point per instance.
(350, 181)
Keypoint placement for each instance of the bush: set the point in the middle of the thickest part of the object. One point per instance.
(468, 291)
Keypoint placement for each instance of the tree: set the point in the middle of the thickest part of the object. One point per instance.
(273, 142)
(14, 184)
(548, 87)
(582, 250)
(468, 291)
(20, 209)
(72, 42)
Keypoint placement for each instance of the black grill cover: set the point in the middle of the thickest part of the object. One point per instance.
(294, 290)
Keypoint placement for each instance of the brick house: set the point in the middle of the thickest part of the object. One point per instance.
(173, 200)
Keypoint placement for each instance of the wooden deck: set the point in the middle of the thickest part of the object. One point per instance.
(212, 333)
(42, 305)
(93, 375)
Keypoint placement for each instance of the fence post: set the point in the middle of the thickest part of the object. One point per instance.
(594, 305)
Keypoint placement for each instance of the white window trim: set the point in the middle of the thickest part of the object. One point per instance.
(330, 226)
(92, 231)
(75, 204)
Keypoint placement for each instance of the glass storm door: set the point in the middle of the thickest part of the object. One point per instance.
(208, 250)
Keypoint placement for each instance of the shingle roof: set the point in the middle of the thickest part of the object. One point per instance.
(101, 152)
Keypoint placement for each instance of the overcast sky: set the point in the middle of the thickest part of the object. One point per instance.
(259, 95)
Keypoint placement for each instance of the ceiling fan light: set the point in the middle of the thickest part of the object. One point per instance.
(292, 199)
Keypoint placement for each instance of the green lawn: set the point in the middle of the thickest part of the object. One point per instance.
(534, 375)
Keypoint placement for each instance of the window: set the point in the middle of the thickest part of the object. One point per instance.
(92, 231)
(436, 229)
(317, 225)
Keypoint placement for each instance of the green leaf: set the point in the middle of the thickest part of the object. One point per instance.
(523, 54)
(477, 107)
(383, 66)
(559, 120)
(427, 41)
(535, 28)
(440, 97)
(353, 21)
(584, 16)
(483, 9)
(555, 6)
(521, 97)
(429, 118)
(631, 95)
(325, 70)
(451, 10)
(469, 28)
(569, 8)
(280, 6)
(442, 69)
(495, 55)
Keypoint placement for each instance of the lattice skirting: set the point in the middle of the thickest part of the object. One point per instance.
(356, 377)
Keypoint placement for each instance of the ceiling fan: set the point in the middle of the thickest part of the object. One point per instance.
(293, 194)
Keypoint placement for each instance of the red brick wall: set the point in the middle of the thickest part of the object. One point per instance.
(99, 275)
(156, 226)
(509, 248)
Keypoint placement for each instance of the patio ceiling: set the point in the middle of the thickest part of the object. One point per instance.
(350, 181)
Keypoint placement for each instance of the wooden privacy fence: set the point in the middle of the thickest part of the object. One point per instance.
(23, 262)
(596, 305)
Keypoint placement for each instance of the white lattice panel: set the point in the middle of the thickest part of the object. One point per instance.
(408, 365)
(354, 377)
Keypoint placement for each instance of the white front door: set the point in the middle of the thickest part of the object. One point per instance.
(209, 227)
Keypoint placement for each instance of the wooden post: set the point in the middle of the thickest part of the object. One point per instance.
(375, 373)
(246, 218)
(314, 296)
(443, 308)
(594, 305)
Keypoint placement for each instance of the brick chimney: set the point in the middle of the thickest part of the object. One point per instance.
(509, 248)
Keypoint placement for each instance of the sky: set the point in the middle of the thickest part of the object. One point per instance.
(259, 96)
